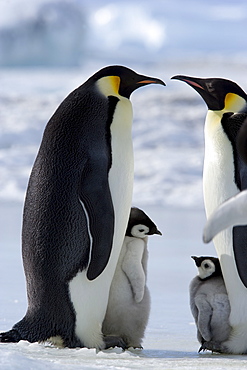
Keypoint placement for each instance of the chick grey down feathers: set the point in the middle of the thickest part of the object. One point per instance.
(129, 299)
(209, 304)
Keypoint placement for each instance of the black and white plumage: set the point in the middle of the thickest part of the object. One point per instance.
(129, 299)
(76, 211)
(209, 304)
(233, 212)
(224, 176)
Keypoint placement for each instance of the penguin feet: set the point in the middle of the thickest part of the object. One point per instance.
(11, 336)
(136, 347)
(213, 346)
(114, 341)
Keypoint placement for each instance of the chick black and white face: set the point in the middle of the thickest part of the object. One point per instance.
(206, 269)
(139, 231)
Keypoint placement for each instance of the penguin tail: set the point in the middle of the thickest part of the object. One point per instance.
(11, 336)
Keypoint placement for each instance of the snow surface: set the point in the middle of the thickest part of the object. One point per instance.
(157, 38)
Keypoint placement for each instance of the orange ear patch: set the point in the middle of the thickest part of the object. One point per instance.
(109, 85)
(234, 103)
(115, 81)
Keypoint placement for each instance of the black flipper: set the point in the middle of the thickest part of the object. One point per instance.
(242, 141)
(233, 126)
(97, 204)
(240, 232)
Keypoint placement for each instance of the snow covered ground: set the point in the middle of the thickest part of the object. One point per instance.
(160, 39)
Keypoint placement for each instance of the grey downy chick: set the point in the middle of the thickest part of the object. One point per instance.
(209, 304)
(129, 299)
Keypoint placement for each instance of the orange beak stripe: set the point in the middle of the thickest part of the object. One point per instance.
(147, 82)
(192, 83)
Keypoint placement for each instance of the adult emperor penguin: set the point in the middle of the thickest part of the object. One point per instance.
(76, 211)
(234, 210)
(209, 303)
(224, 175)
(129, 299)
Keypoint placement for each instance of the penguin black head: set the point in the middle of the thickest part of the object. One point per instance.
(218, 93)
(120, 80)
(140, 225)
(207, 267)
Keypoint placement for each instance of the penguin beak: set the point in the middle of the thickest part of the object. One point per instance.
(205, 88)
(197, 260)
(218, 93)
(194, 258)
(147, 81)
(192, 81)
(128, 86)
(154, 231)
(158, 232)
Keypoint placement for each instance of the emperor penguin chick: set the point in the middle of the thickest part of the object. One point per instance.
(129, 300)
(209, 304)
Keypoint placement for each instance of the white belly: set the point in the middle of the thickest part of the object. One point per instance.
(90, 298)
(218, 186)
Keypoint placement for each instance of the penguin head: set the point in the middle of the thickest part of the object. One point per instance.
(207, 267)
(119, 80)
(140, 225)
(218, 93)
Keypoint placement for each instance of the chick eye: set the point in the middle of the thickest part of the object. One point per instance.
(206, 266)
(141, 230)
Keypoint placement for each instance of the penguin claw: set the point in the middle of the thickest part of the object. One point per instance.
(114, 341)
(201, 349)
(212, 346)
(11, 336)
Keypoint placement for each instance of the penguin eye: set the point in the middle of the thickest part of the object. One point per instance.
(141, 230)
(206, 266)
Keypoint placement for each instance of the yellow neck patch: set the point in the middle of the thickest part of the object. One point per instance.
(234, 103)
(109, 85)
